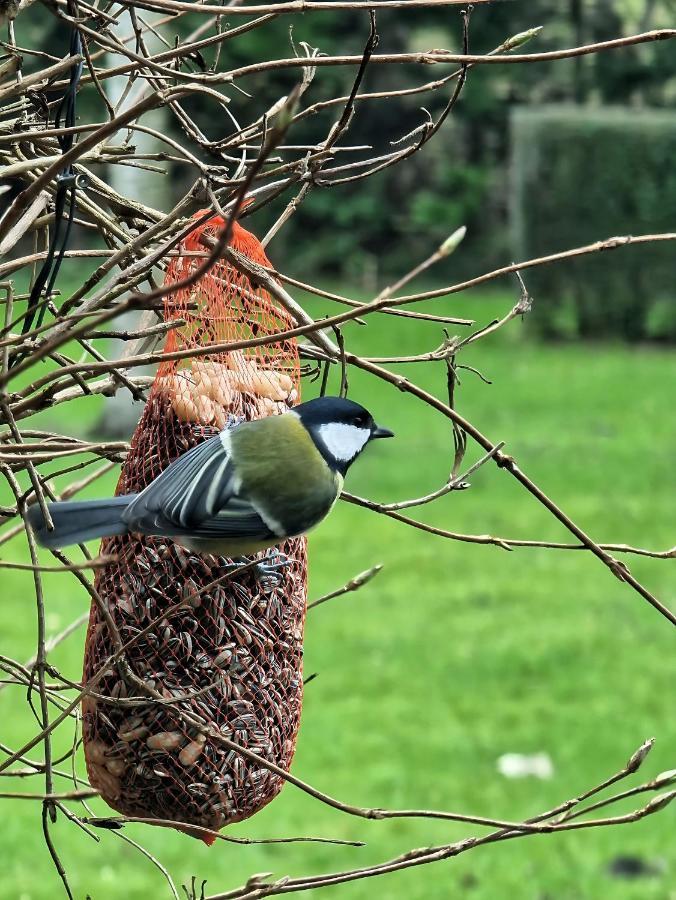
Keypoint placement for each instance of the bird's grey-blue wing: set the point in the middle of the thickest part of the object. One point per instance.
(196, 495)
(237, 519)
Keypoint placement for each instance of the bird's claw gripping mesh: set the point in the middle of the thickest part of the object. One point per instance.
(208, 651)
(269, 569)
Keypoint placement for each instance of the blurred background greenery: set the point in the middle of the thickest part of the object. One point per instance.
(457, 653)
(604, 167)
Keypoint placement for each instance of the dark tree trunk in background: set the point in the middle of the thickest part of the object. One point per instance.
(122, 412)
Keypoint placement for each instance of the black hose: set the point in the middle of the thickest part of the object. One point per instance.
(66, 190)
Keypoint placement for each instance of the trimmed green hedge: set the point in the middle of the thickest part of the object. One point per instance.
(580, 174)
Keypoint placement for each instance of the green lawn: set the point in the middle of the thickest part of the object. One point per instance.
(454, 655)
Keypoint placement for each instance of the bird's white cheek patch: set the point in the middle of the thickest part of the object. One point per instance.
(343, 441)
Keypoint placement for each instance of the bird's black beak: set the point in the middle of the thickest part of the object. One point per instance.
(378, 432)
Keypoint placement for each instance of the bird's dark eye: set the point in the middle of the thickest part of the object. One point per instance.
(361, 421)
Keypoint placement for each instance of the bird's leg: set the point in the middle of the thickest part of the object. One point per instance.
(267, 571)
(272, 564)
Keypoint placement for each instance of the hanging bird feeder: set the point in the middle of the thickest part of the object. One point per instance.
(223, 654)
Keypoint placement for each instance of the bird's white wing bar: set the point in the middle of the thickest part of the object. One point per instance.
(189, 506)
(193, 488)
(196, 496)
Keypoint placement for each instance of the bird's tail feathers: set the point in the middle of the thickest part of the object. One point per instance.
(79, 521)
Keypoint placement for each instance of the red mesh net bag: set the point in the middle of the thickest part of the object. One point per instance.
(231, 655)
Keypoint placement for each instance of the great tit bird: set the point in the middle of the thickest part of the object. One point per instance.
(244, 490)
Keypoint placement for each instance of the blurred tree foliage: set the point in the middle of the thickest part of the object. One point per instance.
(581, 174)
(384, 226)
(462, 176)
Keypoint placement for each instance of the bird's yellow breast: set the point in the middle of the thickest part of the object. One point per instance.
(284, 473)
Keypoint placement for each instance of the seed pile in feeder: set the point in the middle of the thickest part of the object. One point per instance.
(230, 655)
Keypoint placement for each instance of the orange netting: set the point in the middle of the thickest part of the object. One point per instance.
(230, 656)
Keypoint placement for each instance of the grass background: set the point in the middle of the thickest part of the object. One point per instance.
(453, 656)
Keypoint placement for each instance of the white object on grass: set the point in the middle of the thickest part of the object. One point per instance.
(522, 765)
